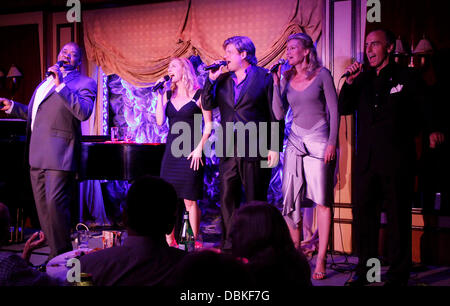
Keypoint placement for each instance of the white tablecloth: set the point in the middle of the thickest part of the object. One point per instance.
(56, 267)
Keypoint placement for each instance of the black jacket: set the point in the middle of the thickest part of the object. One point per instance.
(254, 105)
(391, 109)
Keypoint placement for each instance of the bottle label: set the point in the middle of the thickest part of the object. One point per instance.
(189, 247)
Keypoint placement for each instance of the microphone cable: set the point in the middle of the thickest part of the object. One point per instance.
(346, 266)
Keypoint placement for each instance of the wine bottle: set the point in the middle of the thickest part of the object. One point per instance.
(187, 240)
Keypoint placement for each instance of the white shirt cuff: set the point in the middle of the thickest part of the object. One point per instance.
(60, 87)
(11, 108)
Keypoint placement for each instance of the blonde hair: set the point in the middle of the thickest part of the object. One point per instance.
(312, 60)
(189, 78)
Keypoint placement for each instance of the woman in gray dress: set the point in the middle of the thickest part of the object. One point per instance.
(309, 158)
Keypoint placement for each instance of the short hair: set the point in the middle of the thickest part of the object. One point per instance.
(4, 223)
(388, 34)
(207, 269)
(80, 51)
(257, 226)
(260, 234)
(243, 43)
(150, 206)
(189, 77)
(312, 60)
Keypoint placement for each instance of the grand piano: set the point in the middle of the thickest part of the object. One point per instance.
(106, 160)
(12, 152)
(113, 161)
(15, 186)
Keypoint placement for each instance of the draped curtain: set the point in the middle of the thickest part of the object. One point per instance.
(138, 42)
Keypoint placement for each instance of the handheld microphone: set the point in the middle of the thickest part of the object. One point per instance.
(274, 69)
(161, 84)
(348, 73)
(49, 73)
(215, 66)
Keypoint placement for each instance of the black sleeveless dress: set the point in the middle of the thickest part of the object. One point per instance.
(176, 170)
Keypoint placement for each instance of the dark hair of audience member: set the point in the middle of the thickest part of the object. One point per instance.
(260, 234)
(150, 207)
(210, 270)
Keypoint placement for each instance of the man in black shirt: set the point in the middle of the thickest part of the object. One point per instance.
(389, 102)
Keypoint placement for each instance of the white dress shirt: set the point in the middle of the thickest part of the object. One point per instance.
(41, 93)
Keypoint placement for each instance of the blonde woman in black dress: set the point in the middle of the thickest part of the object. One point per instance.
(180, 103)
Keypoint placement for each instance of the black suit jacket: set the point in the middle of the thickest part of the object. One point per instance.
(390, 111)
(253, 106)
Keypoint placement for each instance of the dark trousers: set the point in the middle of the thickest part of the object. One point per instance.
(53, 191)
(394, 191)
(235, 173)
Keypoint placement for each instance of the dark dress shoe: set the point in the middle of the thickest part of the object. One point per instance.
(357, 281)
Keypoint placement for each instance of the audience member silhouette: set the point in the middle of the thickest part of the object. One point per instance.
(260, 234)
(144, 259)
(16, 270)
(210, 270)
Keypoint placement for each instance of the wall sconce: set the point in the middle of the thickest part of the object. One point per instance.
(399, 50)
(423, 49)
(15, 75)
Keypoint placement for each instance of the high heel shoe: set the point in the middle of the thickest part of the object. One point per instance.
(320, 275)
(198, 245)
(173, 244)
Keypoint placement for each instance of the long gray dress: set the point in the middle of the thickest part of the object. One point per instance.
(306, 177)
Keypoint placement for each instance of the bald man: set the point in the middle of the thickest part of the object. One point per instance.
(54, 116)
(392, 107)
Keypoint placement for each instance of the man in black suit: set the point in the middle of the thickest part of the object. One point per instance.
(244, 97)
(54, 115)
(389, 101)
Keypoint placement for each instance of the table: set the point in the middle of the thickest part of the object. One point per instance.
(57, 268)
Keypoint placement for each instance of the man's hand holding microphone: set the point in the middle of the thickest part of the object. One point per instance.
(214, 72)
(55, 71)
(352, 71)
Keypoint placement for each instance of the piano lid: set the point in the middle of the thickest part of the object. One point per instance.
(119, 160)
